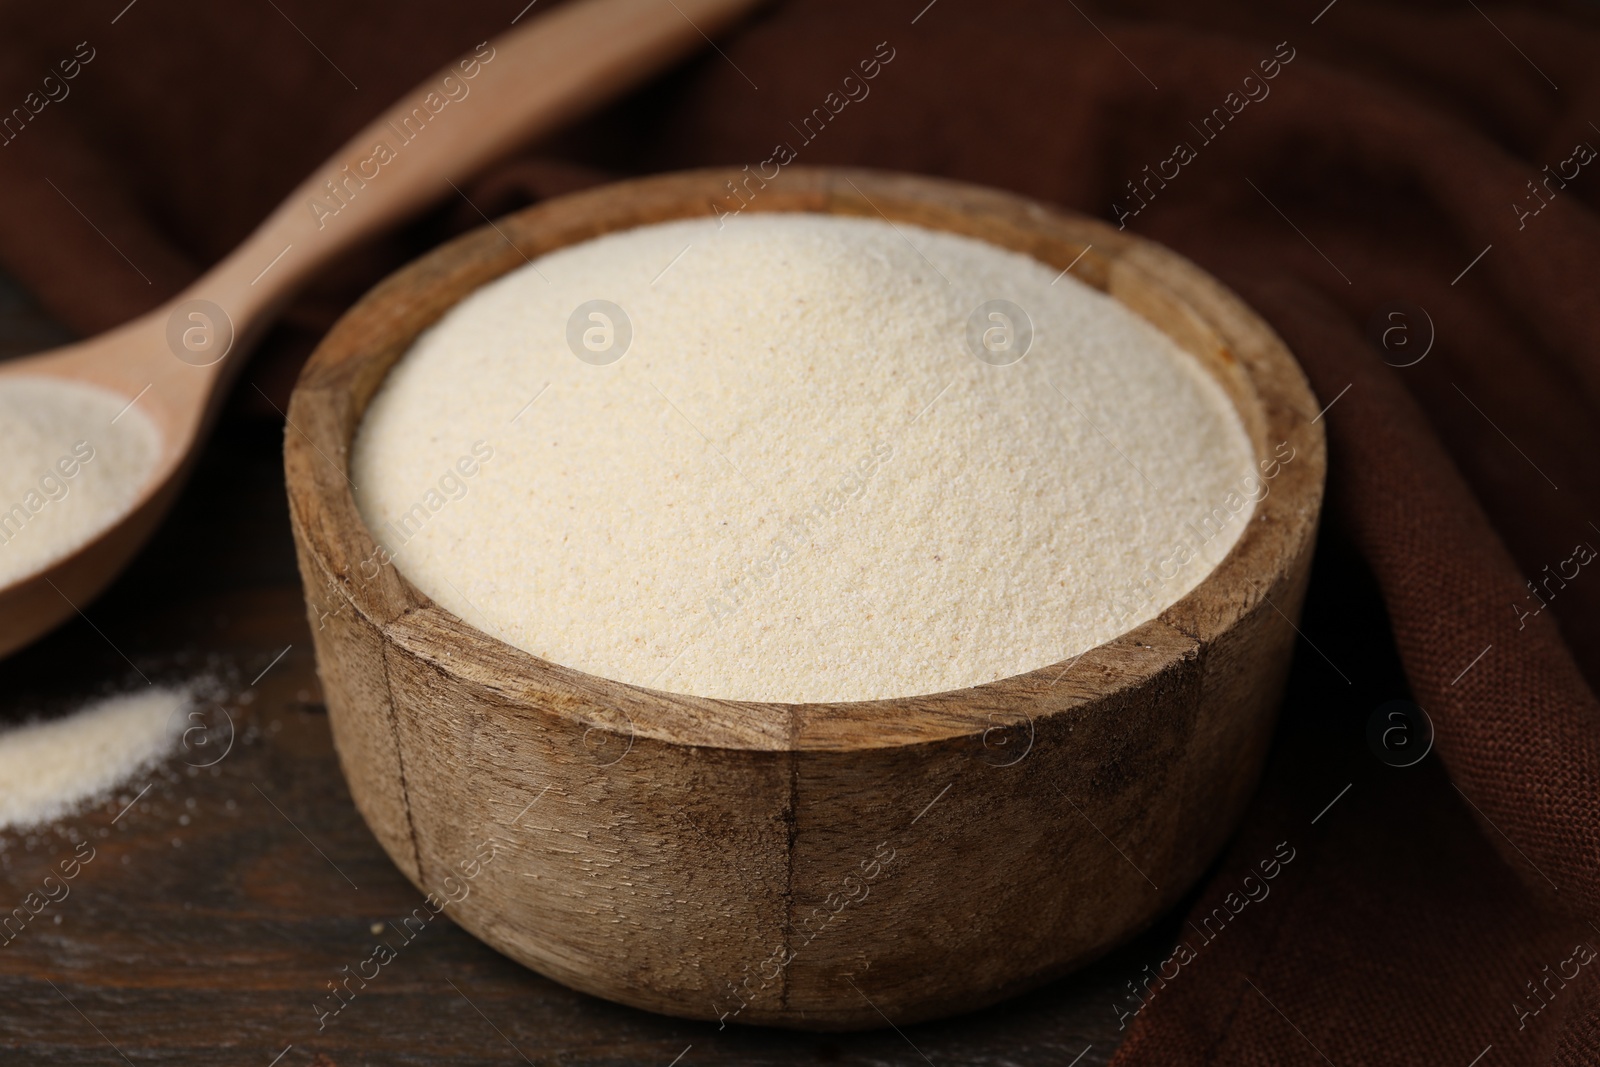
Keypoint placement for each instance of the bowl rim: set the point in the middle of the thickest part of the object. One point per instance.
(1268, 390)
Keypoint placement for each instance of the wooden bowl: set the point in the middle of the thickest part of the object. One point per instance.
(826, 866)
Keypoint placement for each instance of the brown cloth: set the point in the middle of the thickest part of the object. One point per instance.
(1435, 158)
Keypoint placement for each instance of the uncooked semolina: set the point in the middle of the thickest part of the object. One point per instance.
(817, 472)
(49, 769)
(73, 459)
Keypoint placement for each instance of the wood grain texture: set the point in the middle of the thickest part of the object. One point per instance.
(817, 865)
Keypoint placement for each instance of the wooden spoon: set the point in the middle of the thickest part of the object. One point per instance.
(173, 363)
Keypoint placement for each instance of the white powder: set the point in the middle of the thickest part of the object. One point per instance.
(49, 769)
(67, 471)
(799, 483)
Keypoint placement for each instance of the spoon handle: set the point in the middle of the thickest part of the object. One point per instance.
(553, 68)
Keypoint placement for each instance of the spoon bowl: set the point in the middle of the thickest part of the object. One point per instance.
(128, 363)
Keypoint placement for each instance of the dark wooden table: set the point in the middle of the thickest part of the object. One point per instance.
(227, 890)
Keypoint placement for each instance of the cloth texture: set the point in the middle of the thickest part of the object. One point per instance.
(1331, 162)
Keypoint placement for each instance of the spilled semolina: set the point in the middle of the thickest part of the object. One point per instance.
(51, 768)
